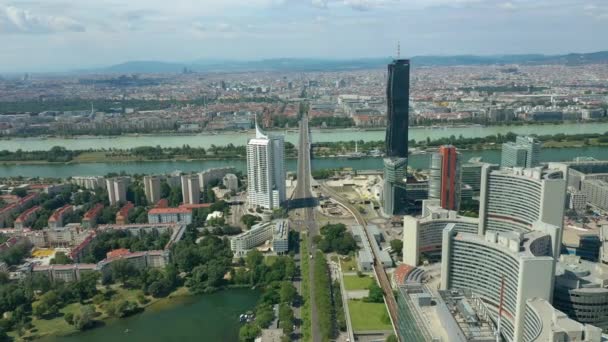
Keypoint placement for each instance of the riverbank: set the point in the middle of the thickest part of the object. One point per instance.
(59, 327)
(430, 125)
(188, 318)
(416, 161)
(318, 136)
(337, 151)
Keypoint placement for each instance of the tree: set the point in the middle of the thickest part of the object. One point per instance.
(392, 338)
(60, 259)
(86, 287)
(69, 318)
(165, 189)
(175, 198)
(249, 220)
(21, 192)
(397, 246)
(376, 295)
(122, 270)
(287, 292)
(254, 258)
(264, 315)
(47, 305)
(85, 318)
(286, 318)
(249, 332)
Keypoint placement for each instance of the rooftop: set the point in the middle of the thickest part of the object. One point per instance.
(574, 273)
(161, 211)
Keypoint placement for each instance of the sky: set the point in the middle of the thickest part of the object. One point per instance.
(57, 35)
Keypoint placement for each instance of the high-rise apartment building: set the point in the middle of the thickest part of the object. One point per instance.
(266, 170)
(117, 189)
(395, 165)
(444, 178)
(524, 152)
(191, 190)
(152, 188)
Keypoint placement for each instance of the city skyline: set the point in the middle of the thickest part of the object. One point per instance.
(101, 33)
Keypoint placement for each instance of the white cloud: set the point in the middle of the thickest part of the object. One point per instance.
(508, 6)
(17, 20)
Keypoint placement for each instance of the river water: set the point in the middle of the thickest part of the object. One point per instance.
(420, 161)
(213, 317)
(206, 140)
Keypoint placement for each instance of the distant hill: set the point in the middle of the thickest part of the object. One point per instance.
(310, 64)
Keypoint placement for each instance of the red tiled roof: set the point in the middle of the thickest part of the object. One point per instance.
(25, 215)
(160, 211)
(93, 212)
(162, 203)
(195, 206)
(117, 253)
(124, 211)
(59, 212)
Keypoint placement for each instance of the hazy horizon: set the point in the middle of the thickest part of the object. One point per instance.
(64, 35)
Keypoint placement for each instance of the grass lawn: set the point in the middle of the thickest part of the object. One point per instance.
(270, 259)
(57, 326)
(54, 327)
(354, 282)
(368, 316)
(348, 264)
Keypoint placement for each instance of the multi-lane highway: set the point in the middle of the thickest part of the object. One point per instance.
(304, 200)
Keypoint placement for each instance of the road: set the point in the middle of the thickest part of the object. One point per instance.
(385, 283)
(305, 202)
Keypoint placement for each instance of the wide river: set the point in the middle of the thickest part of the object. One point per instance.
(419, 161)
(213, 317)
(206, 140)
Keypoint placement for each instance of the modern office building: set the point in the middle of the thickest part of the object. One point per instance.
(524, 152)
(394, 198)
(470, 174)
(514, 199)
(231, 182)
(444, 177)
(191, 190)
(152, 188)
(266, 170)
(422, 237)
(581, 290)
(516, 264)
(398, 102)
(548, 324)
(395, 165)
(117, 189)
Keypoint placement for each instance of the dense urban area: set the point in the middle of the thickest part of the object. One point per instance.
(425, 245)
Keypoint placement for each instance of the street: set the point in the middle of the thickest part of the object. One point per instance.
(304, 202)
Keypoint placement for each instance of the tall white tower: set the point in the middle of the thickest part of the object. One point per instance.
(266, 170)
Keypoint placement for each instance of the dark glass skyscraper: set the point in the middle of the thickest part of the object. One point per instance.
(395, 164)
(398, 102)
